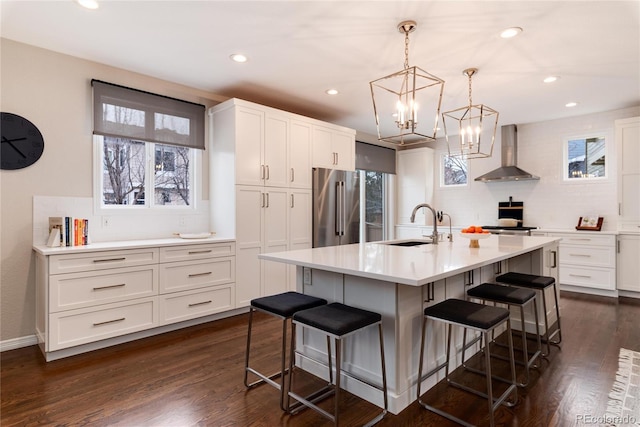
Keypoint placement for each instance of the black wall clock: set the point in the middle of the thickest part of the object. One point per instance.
(22, 142)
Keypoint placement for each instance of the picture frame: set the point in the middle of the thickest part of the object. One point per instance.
(592, 223)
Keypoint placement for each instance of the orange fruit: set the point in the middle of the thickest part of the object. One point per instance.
(479, 230)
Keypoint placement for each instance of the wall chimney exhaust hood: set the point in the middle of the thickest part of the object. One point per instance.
(509, 152)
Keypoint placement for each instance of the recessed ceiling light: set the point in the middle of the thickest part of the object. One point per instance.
(510, 32)
(571, 104)
(331, 91)
(550, 79)
(89, 4)
(238, 57)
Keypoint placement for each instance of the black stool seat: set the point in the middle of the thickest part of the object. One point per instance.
(287, 303)
(467, 313)
(337, 319)
(526, 280)
(501, 293)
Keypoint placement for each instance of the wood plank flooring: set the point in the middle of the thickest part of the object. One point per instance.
(194, 377)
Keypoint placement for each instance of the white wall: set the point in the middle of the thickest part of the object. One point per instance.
(53, 91)
(550, 202)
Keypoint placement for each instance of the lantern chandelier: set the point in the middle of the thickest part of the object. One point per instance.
(407, 103)
(473, 124)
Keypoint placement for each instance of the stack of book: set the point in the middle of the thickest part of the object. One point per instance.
(71, 231)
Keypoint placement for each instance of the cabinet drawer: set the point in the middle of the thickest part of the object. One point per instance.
(597, 256)
(186, 275)
(586, 239)
(85, 325)
(599, 278)
(77, 290)
(203, 251)
(187, 305)
(94, 261)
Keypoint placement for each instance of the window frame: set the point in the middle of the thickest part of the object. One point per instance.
(149, 205)
(608, 149)
(443, 157)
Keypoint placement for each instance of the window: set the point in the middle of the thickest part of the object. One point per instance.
(125, 177)
(145, 145)
(585, 158)
(454, 171)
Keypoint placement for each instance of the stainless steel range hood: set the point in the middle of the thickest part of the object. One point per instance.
(508, 171)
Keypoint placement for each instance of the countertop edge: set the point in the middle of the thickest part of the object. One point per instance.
(126, 244)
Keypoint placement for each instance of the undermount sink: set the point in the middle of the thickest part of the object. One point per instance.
(409, 243)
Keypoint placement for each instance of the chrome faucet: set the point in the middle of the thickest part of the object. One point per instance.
(441, 216)
(434, 235)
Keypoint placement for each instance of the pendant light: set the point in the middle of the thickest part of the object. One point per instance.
(406, 104)
(470, 131)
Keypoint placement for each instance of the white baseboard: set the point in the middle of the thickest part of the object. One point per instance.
(14, 343)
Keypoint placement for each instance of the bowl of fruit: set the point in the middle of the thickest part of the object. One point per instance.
(474, 233)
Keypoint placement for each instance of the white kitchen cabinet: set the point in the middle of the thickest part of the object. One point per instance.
(300, 227)
(334, 148)
(628, 264)
(261, 146)
(628, 151)
(587, 261)
(414, 184)
(262, 226)
(300, 154)
(92, 296)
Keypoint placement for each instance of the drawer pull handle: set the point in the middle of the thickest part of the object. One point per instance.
(109, 321)
(109, 286)
(580, 240)
(582, 255)
(580, 275)
(200, 252)
(109, 259)
(200, 303)
(201, 274)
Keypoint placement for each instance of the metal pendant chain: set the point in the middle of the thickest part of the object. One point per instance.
(470, 102)
(406, 49)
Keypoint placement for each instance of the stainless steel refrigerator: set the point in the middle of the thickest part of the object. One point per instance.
(336, 207)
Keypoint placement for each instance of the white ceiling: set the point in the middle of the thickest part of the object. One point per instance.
(298, 49)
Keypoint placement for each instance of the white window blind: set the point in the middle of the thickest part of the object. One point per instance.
(123, 112)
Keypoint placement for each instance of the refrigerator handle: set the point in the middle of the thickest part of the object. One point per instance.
(339, 208)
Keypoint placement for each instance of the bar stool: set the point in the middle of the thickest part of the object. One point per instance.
(481, 318)
(518, 297)
(336, 321)
(282, 306)
(538, 283)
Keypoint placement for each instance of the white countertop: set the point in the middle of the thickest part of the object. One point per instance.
(126, 244)
(416, 265)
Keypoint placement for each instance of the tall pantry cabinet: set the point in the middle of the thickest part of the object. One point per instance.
(628, 151)
(260, 163)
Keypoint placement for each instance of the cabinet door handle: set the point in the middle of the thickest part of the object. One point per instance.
(200, 303)
(261, 171)
(337, 158)
(267, 204)
(200, 252)
(292, 175)
(109, 321)
(109, 286)
(580, 275)
(555, 259)
(201, 274)
(267, 167)
(109, 260)
(581, 255)
(262, 200)
(292, 201)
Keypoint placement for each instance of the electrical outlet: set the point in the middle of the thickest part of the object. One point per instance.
(306, 276)
(182, 221)
(106, 221)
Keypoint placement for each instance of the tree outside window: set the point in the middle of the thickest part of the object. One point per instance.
(125, 177)
(454, 171)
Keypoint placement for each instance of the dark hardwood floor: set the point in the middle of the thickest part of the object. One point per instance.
(194, 377)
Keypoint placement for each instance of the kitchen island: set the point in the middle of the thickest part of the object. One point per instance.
(399, 282)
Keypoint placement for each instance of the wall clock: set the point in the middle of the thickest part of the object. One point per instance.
(22, 142)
